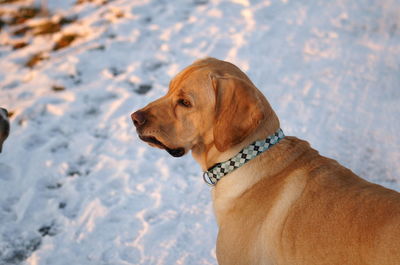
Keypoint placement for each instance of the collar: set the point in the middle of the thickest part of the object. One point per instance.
(216, 172)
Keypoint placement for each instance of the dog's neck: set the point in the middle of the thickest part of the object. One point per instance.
(264, 169)
(207, 154)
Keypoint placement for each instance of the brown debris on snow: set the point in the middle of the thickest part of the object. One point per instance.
(23, 14)
(35, 59)
(19, 45)
(65, 41)
(57, 88)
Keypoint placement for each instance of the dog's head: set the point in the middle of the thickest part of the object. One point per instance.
(210, 104)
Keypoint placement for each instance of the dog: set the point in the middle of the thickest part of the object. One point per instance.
(4, 127)
(282, 205)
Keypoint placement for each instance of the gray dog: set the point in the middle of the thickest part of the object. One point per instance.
(4, 127)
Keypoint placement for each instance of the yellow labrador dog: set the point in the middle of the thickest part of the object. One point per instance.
(276, 200)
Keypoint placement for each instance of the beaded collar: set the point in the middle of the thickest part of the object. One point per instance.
(216, 172)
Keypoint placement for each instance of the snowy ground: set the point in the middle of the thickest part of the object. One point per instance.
(76, 184)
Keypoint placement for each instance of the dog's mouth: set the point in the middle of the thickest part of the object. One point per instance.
(152, 140)
(175, 152)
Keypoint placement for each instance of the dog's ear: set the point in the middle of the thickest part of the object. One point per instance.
(237, 109)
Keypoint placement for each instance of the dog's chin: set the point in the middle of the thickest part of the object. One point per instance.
(177, 152)
(153, 141)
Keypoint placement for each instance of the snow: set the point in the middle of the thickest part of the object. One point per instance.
(76, 184)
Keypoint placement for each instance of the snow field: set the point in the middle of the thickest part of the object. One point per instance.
(76, 184)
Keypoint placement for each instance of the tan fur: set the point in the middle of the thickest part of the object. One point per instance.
(289, 205)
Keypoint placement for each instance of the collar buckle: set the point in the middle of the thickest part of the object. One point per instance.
(208, 180)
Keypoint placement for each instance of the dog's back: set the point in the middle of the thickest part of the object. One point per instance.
(310, 211)
(342, 219)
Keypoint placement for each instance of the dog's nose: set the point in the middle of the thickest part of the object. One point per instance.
(138, 118)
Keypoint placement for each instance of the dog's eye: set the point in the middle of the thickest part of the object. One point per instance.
(185, 103)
